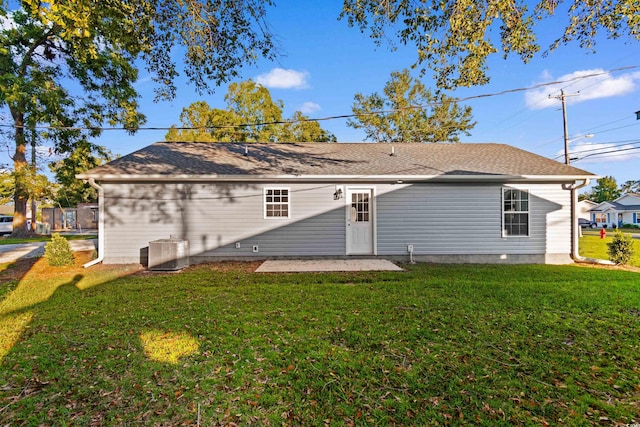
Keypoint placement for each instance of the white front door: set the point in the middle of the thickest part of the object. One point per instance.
(360, 218)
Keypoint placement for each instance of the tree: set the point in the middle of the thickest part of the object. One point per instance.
(251, 116)
(409, 112)
(49, 47)
(455, 38)
(252, 104)
(301, 128)
(72, 190)
(631, 186)
(202, 123)
(606, 189)
(38, 186)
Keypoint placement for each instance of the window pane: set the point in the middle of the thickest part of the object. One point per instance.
(276, 203)
(516, 224)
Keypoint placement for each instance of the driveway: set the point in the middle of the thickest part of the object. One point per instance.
(11, 253)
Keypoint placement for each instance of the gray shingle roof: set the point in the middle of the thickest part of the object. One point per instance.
(166, 160)
(618, 207)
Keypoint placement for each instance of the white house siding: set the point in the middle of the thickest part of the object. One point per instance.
(463, 223)
(444, 222)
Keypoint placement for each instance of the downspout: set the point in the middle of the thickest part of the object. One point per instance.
(92, 182)
(575, 254)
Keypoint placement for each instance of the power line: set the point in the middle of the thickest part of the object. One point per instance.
(599, 132)
(609, 144)
(614, 152)
(335, 117)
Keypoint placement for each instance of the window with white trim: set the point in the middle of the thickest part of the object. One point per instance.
(515, 212)
(600, 218)
(276, 203)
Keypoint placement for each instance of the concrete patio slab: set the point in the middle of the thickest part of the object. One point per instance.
(320, 265)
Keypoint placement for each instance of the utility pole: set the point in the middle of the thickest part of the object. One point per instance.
(575, 229)
(562, 98)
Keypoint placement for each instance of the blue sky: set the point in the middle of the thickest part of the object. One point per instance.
(325, 63)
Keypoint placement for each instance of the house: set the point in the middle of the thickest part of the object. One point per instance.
(480, 203)
(623, 210)
(82, 217)
(584, 208)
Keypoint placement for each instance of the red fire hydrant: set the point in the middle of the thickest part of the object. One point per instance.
(603, 233)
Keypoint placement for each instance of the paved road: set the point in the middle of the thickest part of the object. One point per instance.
(11, 253)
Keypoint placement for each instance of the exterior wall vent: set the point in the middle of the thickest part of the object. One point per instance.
(168, 254)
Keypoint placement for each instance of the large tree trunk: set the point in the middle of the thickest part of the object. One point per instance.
(21, 195)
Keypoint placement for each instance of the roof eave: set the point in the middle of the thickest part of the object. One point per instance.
(324, 178)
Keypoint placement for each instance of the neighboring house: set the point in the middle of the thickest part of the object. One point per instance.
(623, 210)
(82, 217)
(487, 203)
(584, 208)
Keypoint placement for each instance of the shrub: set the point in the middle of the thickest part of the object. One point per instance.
(620, 248)
(58, 251)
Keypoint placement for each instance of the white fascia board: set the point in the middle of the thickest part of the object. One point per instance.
(152, 177)
(325, 178)
(559, 178)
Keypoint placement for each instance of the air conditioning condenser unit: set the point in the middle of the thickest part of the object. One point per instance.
(168, 254)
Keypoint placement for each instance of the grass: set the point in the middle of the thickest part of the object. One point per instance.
(219, 345)
(6, 240)
(592, 246)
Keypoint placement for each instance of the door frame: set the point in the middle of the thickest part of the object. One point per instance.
(372, 216)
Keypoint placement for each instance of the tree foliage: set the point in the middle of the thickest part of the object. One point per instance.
(631, 186)
(301, 128)
(72, 190)
(455, 38)
(48, 49)
(38, 185)
(409, 112)
(251, 115)
(606, 189)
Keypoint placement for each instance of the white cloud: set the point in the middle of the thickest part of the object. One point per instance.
(310, 107)
(284, 79)
(603, 85)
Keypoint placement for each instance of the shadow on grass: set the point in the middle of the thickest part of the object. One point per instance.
(27, 283)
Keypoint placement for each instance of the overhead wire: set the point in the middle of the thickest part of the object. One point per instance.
(614, 153)
(604, 146)
(334, 117)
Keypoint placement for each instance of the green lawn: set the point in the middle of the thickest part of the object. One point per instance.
(6, 240)
(435, 345)
(592, 246)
